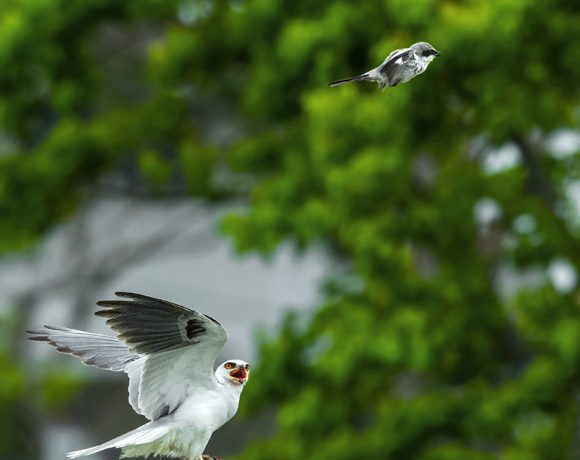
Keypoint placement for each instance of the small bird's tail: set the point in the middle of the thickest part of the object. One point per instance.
(363, 77)
(142, 435)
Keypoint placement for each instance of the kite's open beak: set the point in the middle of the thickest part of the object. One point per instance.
(239, 374)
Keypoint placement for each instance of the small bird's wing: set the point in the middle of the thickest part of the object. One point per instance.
(103, 351)
(395, 52)
(393, 63)
(179, 347)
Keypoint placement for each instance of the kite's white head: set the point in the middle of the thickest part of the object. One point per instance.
(234, 371)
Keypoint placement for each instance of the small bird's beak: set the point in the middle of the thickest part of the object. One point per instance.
(239, 374)
(437, 53)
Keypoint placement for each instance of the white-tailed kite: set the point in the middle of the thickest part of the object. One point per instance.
(168, 352)
(399, 67)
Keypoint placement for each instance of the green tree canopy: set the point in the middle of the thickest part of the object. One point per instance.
(415, 354)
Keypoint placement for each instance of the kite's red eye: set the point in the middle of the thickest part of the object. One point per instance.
(229, 366)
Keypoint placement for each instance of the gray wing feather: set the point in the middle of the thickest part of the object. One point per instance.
(168, 350)
(178, 347)
(393, 63)
(393, 53)
(103, 351)
(148, 325)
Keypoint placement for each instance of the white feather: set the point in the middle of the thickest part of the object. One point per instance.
(168, 355)
(103, 351)
(169, 377)
(142, 435)
(134, 371)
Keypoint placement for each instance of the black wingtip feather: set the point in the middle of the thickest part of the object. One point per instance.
(150, 325)
(38, 338)
(129, 295)
(104, 313)
(135, 296)
(112, 303)
(38, 335)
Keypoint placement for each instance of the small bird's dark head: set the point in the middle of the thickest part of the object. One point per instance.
(425, 50)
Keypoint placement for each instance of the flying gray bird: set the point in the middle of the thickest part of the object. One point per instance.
(399, 67)
(168, 352)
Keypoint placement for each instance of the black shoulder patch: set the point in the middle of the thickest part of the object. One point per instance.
(194, 328)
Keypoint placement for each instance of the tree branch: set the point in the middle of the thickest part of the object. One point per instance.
(537, 182)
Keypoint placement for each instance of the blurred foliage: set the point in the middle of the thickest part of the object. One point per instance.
(419, 351)
(16, 430)
(23, 389)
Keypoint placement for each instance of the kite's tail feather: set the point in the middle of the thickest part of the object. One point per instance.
(142, 435)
